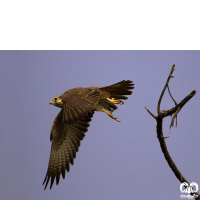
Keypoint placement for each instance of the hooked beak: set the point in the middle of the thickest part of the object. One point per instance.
(52, 101)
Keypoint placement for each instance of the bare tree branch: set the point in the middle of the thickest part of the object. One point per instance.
(181, 104)
(171, 95)
(151, 113)
(175, 110)
(175, 116)
(175, 104)
(161, 96)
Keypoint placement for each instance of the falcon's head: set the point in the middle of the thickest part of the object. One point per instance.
(57, 101)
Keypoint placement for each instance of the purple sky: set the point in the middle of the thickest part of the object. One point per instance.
(115, 160)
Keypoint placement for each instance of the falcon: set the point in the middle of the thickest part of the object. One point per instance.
(72, 122)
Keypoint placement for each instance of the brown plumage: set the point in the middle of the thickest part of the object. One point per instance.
(72, 122)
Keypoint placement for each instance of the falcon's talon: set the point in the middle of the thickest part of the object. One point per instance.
(110, 114)
(115, 101)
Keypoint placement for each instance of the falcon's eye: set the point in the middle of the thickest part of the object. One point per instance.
(55, 98)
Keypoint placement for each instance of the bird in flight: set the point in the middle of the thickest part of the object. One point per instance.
(72, 122)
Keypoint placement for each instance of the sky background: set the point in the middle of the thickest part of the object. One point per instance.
(115, 160)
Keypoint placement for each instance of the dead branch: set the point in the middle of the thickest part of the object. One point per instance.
(161, 96)
(171, 95)
(161, 115)
(150, 113)
(172, 123)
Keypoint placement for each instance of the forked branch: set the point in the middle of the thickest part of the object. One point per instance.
(161, 96)
(175, 110)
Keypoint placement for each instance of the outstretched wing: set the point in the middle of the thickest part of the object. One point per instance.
(78, 102)
(65, 143)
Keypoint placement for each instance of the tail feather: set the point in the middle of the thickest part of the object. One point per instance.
(118, 90)
(118, 96)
